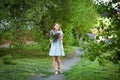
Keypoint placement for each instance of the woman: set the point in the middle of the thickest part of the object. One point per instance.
(56, 49)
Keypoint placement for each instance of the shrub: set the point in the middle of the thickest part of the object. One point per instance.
(8, 59)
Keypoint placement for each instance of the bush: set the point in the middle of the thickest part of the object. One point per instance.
(8, 59)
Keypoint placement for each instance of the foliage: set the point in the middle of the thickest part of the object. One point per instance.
(69, 50)
(34, 18)
(17, 53)
(87, 70)
(31, 51)
(97, 51)
(106, 47)
(8, 59)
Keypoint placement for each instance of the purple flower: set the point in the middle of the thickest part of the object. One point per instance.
(55, 36)
(58, 36)
(118, 10)
(47, 35)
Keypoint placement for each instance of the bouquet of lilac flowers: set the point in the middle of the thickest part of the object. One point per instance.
(118, 10)
(54, 35)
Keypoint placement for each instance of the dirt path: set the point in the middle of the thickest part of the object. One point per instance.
(66, 66)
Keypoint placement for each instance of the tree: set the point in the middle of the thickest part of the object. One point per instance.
(38, 16)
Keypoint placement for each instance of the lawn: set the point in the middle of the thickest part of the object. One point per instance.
(25, 68)
(86, 70)
(28, 61)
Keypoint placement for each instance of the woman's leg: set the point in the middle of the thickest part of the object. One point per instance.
(55, 63)
(58, 62)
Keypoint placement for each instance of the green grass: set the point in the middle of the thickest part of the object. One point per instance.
(25, 68)
(29, 61)
(86, 70)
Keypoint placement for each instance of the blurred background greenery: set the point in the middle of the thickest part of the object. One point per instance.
(91, 25)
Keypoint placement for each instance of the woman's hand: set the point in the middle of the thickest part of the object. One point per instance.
(51, 41)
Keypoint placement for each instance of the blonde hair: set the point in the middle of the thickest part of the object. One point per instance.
(58, 25)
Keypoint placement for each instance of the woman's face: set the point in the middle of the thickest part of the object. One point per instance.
(56, 27)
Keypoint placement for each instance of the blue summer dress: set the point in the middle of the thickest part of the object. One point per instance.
(56, 48)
